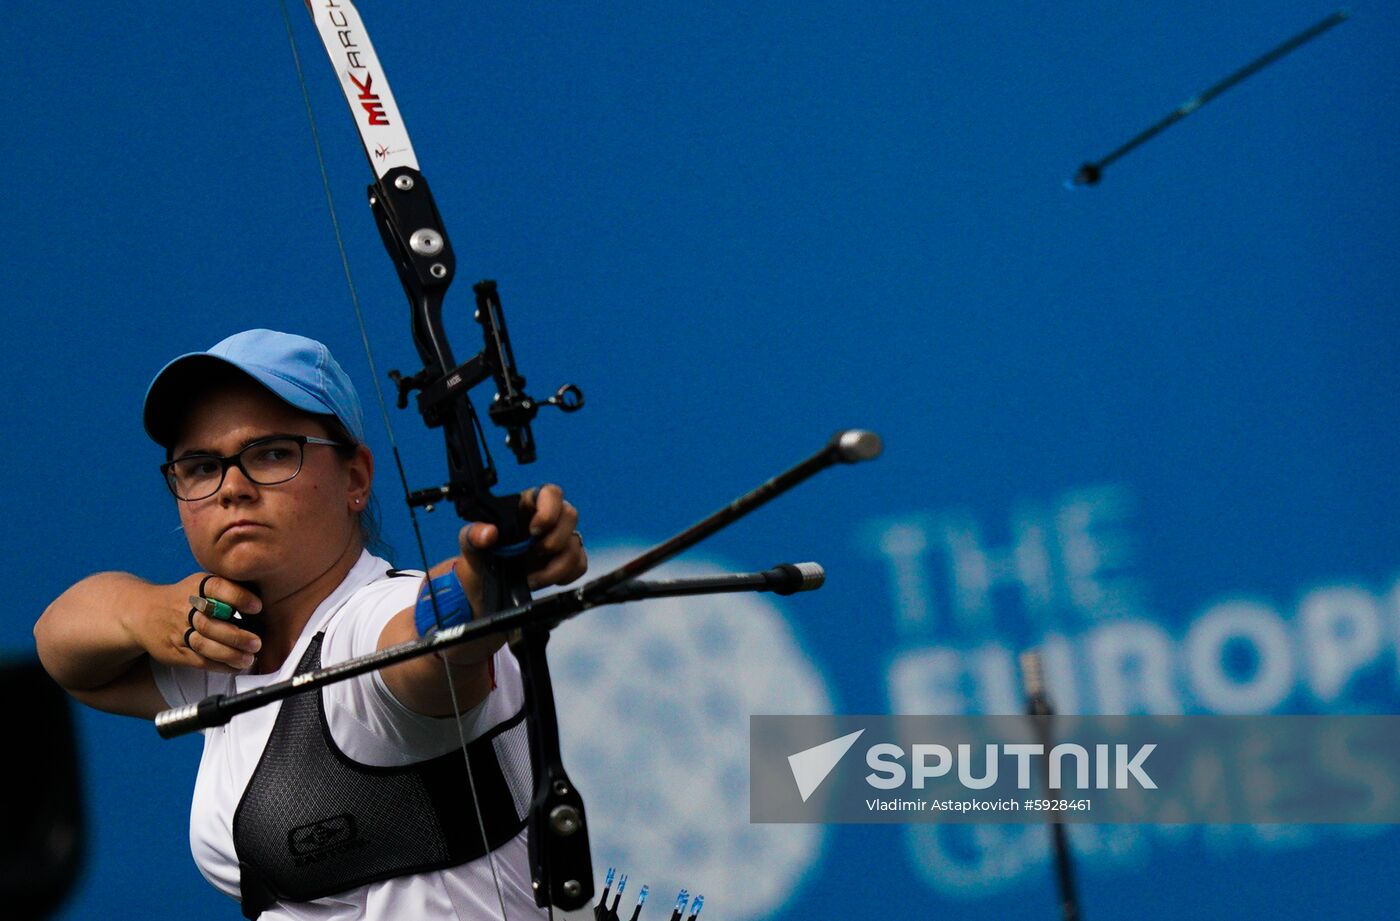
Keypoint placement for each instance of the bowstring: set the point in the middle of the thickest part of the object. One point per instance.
(393, 442)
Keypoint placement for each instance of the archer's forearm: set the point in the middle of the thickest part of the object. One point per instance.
(420, 684)
(86, 637)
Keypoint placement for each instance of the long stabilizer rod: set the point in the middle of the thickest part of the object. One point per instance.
(847, 447)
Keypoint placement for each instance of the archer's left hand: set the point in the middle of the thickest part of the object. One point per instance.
(556, 553)
(556, 557)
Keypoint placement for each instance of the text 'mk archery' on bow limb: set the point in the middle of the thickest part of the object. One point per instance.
(412, 231)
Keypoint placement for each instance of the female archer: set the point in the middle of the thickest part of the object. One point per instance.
(400, 793)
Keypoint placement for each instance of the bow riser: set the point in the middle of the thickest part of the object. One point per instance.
(416, 240)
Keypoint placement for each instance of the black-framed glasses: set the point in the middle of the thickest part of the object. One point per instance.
(266, 462)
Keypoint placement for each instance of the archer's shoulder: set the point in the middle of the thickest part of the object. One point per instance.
(354, 627)
(386, 584)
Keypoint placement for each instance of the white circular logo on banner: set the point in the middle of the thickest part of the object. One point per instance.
(654, 701)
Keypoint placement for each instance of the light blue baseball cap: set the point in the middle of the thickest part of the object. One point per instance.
(300, 371)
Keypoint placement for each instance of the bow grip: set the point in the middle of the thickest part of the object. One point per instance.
(510, 558)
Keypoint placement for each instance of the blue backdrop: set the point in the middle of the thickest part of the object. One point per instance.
(1150, 424)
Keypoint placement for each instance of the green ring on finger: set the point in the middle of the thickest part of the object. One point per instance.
(213, 607)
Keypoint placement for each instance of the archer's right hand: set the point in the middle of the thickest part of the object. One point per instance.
(180, 635)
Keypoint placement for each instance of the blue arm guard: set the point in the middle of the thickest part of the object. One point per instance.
(452, 605)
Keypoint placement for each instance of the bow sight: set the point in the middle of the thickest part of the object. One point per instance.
(413, 234)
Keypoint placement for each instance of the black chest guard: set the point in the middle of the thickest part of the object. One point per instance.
(312, 822)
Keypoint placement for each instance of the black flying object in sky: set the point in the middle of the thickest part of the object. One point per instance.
(1091, 173)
